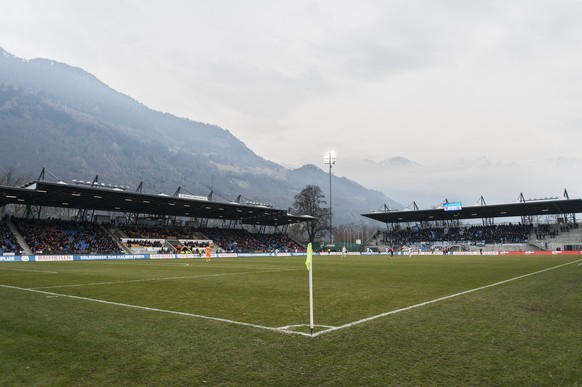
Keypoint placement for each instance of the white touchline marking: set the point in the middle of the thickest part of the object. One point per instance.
(155, 310)
(162, 279)
(438, 299)
(30, 270)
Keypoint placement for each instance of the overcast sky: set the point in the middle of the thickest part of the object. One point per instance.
(435, 81)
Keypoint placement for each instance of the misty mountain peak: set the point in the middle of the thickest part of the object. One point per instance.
(393, 162)
(399, 161)
(79, 127)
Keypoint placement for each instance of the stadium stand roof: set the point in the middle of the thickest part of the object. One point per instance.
(96, 197)
(528, 208)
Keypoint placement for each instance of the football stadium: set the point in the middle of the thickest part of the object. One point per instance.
(133, 288)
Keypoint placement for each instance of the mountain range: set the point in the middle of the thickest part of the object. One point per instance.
(63, 118)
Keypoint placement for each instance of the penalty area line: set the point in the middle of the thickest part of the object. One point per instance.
(439, 299)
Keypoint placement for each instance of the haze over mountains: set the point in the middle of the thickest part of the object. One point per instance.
(61, 117)
(466, 180)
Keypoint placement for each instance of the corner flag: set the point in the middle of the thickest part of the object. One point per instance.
(308, 263)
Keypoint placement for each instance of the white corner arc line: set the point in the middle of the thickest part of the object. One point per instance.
(439, 299)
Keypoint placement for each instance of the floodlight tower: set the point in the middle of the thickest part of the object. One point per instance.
(329, 159)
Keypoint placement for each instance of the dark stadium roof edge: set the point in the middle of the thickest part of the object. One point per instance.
(457, 212)
(104, 198)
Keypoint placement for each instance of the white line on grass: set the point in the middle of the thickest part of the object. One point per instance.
(162, 279)
(30, 270)
(438, 299)
(287, 328)
(155, 310)
(140, 263)
(198, 264)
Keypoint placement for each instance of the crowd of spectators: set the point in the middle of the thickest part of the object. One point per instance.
(140, 246)
(144, 243)
(544, 230)
(278, 243)
(194, 247)
(159, 232)
(509, 233)
(52, 236)
(241, 241)
(227, 240)
(8, 243)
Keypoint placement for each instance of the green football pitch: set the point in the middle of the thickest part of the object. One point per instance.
(379, 320)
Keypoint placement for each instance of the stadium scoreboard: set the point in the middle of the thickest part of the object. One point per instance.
(453, 206)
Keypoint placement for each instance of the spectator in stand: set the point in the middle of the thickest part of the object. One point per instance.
(510, 233)
(53, 236)
(8, 243)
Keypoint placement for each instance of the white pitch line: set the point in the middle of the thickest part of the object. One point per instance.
(156, 310)
(285, 329)
(197, 264)
(438, 299)
(30, 270)
(161, 279)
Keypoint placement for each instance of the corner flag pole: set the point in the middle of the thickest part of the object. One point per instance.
(311, 297)
(309, 264)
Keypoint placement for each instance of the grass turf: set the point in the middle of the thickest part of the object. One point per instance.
(522, 332)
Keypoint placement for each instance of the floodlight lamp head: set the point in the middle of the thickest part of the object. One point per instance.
(329, 158)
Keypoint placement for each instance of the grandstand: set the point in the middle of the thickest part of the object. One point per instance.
(90, 198)
(8, 242)
(547, 224)
(59, 237)
(105, 219)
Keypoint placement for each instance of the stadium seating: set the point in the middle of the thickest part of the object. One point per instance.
(191, 240)
(8, 243)
(53, 236)
(463, 235)
(241, 241)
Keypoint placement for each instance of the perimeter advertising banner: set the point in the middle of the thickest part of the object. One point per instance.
(102, 257)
